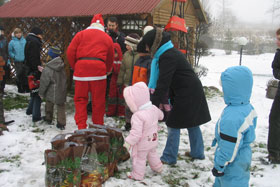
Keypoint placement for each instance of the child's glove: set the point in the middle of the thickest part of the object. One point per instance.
(127, 146)
(217, 173)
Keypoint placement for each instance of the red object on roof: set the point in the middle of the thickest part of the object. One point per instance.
(72, 8)
(176, 24)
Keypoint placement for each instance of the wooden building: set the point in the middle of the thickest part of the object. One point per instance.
(62, 19)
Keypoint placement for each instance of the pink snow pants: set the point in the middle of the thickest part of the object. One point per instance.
(139, 163)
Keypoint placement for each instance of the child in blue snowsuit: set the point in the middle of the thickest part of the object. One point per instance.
(235, 130)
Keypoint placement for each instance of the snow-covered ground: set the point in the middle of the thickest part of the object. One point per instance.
(21, 149)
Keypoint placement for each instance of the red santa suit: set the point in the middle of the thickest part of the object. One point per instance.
(116, 101)
(91, 56)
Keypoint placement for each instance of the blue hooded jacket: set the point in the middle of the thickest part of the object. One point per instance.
(16, 49)
(235, 130)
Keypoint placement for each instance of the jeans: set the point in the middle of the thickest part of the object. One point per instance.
(274, 128)
(34, 108)
(170, 152)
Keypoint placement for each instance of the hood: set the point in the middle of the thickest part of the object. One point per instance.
(56, 64)
(32, 37)
(237, 83)
(118, 49)
(137, 97)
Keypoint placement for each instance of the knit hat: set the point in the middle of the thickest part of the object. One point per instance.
(98, 19)
(54, 52)
(36, 31)
(132, 40)
(1, 28)
(147, 29)
(141, 47)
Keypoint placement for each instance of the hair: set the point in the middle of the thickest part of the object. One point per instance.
(113, 20)
(17, 30)
(278, 32)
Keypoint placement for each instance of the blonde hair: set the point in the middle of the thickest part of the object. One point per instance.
(17, 30)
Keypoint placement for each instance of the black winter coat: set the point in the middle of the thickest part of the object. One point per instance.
(276, 68)
(190, 108)
(32, 54)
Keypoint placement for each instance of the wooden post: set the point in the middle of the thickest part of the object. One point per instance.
(191, 45)
(67, 39)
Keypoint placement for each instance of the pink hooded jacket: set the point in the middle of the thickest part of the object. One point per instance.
(144, 122)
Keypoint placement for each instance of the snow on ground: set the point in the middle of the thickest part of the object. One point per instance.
(21, 149)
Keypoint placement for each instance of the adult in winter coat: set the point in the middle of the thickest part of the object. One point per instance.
(116, 35)
(235, 130)
(115, 100)
(32, 54)
(91, 56)
(274, 117)
(171, 72)
(5, 55)
(143, 137)
(126, 71)
(16, 52)
(53, 87)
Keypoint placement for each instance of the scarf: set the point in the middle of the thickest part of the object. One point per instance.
(155, 67)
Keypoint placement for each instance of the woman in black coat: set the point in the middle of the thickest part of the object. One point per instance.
(189, 105)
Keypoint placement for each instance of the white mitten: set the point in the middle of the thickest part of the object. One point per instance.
(127, 146)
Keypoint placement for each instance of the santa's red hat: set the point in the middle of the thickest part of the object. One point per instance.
(98, 19)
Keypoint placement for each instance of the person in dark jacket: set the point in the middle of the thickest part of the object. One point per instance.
(53, 87)
(274, 117)
(170, 71)
(16, 52)
(5, 55)
(142, 67)
(33, 64)
(116, 35)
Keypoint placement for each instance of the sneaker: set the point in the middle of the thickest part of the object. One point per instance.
(188, 154)
(61, 127)
(127, 126)
(128, 174)
(159, 170)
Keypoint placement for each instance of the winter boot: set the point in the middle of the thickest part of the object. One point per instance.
(61, 127)
(49, 122)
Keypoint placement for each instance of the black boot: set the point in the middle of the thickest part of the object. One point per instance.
(127, 126)
(61, 127)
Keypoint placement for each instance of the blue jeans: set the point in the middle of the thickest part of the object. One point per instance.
(170, 152)
(34, 108)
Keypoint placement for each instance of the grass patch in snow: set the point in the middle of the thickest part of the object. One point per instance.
(14, 101)
(212, 91)
(14, 159)
(171, 180)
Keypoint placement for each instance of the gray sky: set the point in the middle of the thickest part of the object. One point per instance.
(253, 11)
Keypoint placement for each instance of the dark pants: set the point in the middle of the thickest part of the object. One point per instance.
(34, 107)
(2, 118)
(274, 128)
(21, 77)
(61, 115)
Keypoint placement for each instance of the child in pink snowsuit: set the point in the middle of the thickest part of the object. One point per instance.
(143, 136)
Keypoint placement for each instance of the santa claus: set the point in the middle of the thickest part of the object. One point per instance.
(91, 56)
